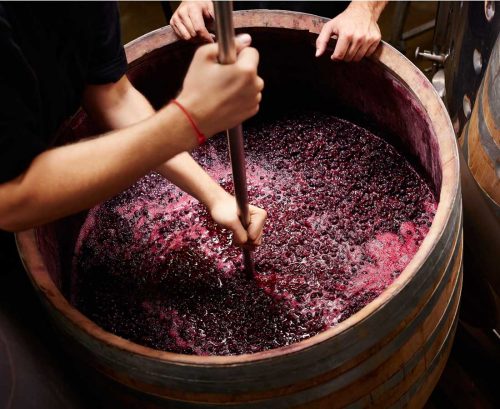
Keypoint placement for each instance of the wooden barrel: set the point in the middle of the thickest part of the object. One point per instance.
(480, 173)
(480, 139)
(389, 354)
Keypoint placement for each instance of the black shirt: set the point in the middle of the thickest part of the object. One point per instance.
(49, 52)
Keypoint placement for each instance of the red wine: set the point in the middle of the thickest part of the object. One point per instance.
(347, 212)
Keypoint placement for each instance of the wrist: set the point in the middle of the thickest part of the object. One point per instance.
(171, 114)
(198, 114)
(214, 195)
(200, 136)
(374, 8)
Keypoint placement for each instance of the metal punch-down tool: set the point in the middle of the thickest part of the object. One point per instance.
(227, 55)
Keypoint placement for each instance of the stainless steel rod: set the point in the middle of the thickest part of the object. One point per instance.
(227, 55)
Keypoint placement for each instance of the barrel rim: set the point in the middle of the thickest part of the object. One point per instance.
(442, 131)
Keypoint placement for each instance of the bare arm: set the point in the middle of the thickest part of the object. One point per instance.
(67, 179)
(71, 178)
(119, 105)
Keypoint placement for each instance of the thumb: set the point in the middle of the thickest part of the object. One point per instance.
(242, 41)
(208, 12)
(257, 220)
(205, 35)
(248, 59)
(211, 51)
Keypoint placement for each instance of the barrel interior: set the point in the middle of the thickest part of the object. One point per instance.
(366, 93)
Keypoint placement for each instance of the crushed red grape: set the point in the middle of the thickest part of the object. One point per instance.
(347, 212)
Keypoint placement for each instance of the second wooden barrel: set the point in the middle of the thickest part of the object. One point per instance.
(480, 139)
(480, 173)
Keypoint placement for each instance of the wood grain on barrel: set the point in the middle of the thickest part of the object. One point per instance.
(480, 176)
(388, 354)
(483, 133)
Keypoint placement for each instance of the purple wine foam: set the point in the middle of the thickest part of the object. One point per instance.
(347, 213)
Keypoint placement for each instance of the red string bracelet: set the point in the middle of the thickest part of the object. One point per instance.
(199, 135)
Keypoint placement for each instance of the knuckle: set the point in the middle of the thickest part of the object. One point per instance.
(202, 52)
(357, 39)
(247, 72)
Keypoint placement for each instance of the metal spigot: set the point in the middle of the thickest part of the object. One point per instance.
(440, 58)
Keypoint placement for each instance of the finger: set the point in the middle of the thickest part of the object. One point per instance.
(188, 24)
(258, 219)
(199, 25)
(254, 111)
(248, 59)
(240, 235)
(341, 47)
(180, 30)
(362, 51)
(372, 48)
(352, 51)
(259, 84)
(242, 41)
(252, 245)
(323, 38)
(173, 24)
(208, 12)
(258, 240)
(209, 51)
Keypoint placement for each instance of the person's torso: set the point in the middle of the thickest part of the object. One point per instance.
(55, 40)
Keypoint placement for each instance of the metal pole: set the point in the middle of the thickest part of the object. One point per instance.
(227, 55)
